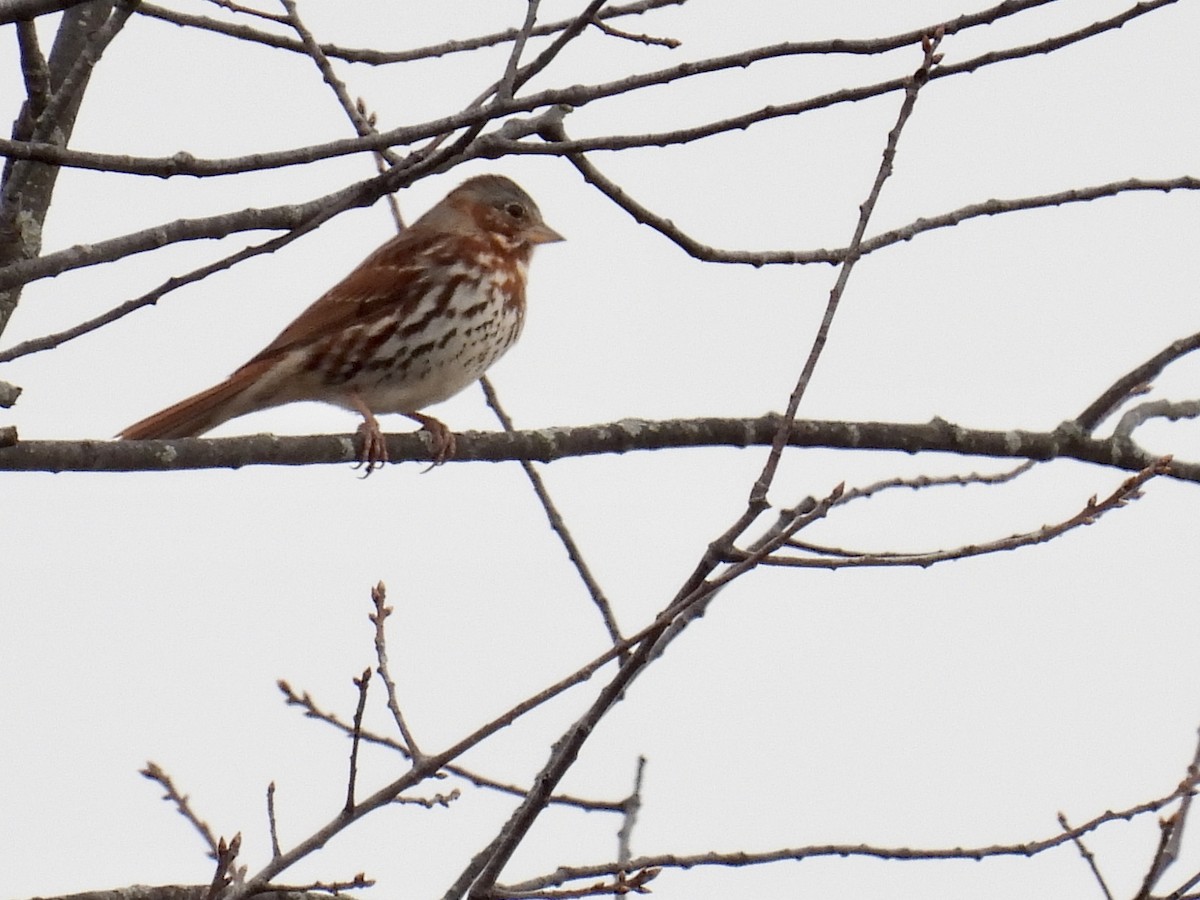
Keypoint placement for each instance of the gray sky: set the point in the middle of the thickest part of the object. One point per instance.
(148, 616)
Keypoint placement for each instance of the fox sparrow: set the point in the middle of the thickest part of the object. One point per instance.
(421, 318)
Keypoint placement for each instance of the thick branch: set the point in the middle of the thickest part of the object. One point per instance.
(550, 444)
(28, 186)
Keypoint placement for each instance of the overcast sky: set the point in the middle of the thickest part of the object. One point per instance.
(148, 616)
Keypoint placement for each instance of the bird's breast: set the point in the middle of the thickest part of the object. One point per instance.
(440, 342)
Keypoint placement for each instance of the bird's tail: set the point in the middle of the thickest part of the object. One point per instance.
(193, 416)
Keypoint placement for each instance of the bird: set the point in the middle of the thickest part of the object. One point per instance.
(419, 320)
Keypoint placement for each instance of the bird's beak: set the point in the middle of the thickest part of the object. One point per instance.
(543, 234)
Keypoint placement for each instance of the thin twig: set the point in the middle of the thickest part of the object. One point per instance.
(249, 11)
(758, 492)
(557, 524)
(920, 482)
(312, 711)
(443, 800)
(509, 82)
(374, 57)
(613, 31)
(1134, 382)
(272, 824)
(738, 859)
(926, 481)
(1087, 855)
(361, 683)
(572, 30)
(362, 125)
(334, 888)
(224, 874)
(1171, 850)
(620, 886)
(1159, 861)
(633, 805)
(1185, 807)
(181, 801)
(839, 558)
(381, 165)
(519, 78)
(378, 618)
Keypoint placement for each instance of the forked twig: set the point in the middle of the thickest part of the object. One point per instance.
(312, 711)
(225, 873)
(738, 859)
(509, 82)
(837, 558)
(1087, 855)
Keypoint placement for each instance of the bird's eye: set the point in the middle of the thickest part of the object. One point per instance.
(516, 210)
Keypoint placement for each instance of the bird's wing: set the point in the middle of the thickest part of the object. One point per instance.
(387, 280)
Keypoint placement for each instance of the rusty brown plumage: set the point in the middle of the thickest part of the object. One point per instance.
(417, 321)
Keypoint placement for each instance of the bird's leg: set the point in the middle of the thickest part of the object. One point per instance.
(374, 448)
(441, 438)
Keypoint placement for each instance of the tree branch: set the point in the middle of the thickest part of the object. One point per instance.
(550, 444)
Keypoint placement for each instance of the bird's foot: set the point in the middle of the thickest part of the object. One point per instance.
(374, 447)
(441, 439)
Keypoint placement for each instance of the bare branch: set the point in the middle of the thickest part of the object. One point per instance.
(1134, 418)
(557, 524)
(549, 444)
(633, 805)
(68, 93)
(294, 217)
(353, 113)
(312, 711)
(272, 825)
(378, 618)
(361, 683)
(300, 218)
(837, 559)
(334, 888)
(758, 493)
(377, 57)
(1133, 382)
(475, 115)
(509, 82)
(612, 31)
(1087, 855)
(180, 801)
(55, 92)
(442, 800)
(741, 859)
(1171, 835)
(225, 873)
